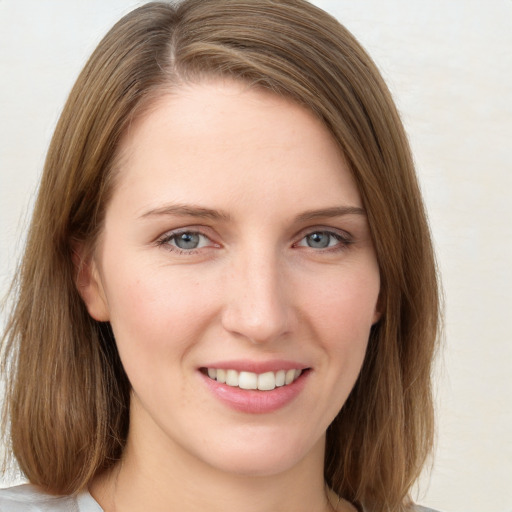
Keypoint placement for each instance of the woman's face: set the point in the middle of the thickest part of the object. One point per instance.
(235, 247)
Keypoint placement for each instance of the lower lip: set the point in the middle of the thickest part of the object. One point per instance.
(253, 401)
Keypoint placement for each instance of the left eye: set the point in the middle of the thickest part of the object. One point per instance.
(321, 240)
(186, 240)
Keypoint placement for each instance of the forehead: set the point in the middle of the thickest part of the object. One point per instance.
(220, 140)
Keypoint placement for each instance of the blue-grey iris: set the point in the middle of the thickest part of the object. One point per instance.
(187, 240)
(318, 240)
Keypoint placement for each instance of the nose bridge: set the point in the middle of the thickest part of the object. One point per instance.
(257, 306)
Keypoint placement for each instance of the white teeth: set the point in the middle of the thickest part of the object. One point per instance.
(248, 380)
(290, 375)
(266, 381)
(232, 378)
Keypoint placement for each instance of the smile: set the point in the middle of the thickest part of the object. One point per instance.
(248, 380)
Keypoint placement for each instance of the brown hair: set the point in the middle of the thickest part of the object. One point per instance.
(68, 395)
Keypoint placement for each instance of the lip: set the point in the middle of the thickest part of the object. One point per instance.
(254, 401)
(242, 365)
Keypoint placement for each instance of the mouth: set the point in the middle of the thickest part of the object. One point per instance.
(264, 390)
(266, 381)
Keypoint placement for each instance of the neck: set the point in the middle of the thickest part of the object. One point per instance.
(137, 484)
(149, 479)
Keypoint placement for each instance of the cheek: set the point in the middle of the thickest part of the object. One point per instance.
(155, 312)
(155, 323)
(341, 315)
(343, 307)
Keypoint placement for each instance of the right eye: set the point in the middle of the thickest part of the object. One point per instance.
(185, 241)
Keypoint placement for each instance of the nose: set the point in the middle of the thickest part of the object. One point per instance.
(257, 306)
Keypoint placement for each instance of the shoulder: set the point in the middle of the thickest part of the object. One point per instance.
(419, 508)
(29, 498)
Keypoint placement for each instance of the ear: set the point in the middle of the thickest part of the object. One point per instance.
(379, 309)
(89, 284)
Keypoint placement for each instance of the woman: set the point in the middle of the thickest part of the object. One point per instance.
(228, 296)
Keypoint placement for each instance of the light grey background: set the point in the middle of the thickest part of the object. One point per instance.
(449, 65)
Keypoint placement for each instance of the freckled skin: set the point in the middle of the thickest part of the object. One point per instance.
(256, 287)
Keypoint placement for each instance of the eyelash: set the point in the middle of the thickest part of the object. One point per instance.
(344, 240)
(165, 241)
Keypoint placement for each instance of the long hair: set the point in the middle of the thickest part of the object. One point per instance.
(67, 393)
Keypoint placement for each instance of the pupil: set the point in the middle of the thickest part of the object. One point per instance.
(318, 240)
(187, 241)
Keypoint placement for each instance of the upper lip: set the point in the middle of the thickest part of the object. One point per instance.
(244, 365)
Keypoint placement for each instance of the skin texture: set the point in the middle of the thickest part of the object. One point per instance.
(254, 289)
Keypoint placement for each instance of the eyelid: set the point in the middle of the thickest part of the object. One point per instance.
(344, 238)
(341, 235)
(164, 239)
(324, 229)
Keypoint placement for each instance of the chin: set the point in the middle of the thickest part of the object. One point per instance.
(263, 458)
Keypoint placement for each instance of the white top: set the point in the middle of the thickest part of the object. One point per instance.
(28, 498)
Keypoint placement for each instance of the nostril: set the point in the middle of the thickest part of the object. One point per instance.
(257, 324)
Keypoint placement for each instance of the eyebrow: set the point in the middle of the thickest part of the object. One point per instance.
(335, 211)
(209, 213)
(187, 210)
